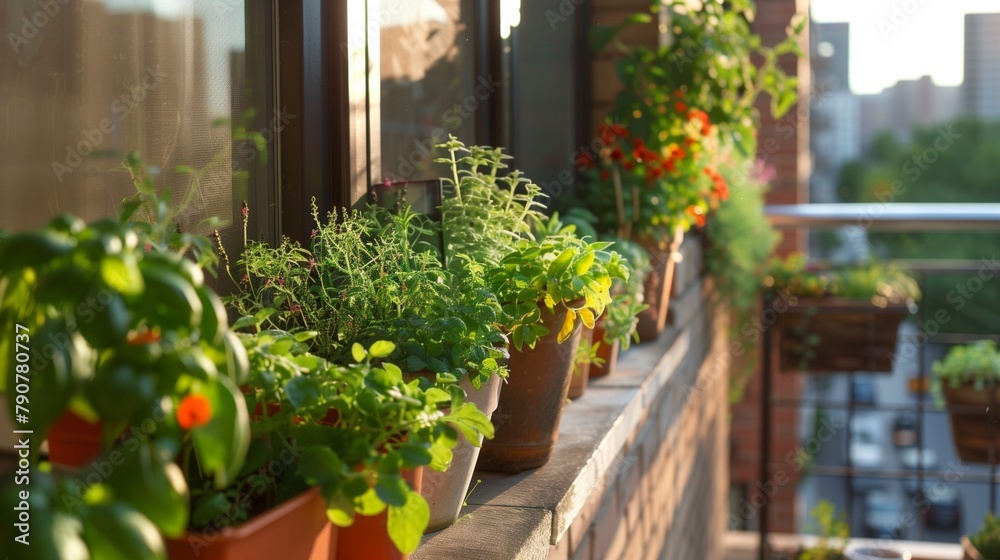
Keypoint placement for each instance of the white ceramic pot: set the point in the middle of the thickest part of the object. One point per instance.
(445, 491)
(875, 553)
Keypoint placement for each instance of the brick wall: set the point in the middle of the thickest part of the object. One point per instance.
(665, 496)
(784, 144)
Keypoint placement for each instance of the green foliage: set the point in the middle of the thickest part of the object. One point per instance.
(494, 224)
(121, 329)
(353, 431)
(367, 277)
(833, 531)
(880, 283)
(740, 240)
(987, 540)
(977, 364)
(963, 171)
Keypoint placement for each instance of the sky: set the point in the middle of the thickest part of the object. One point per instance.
(894, 40)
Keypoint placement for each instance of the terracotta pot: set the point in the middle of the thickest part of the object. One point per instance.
(657, 287)
(527, 422)
(368, 538)
(606, 351)
(73, 442)
(581, 371)
(445, 491)
(974, 422)
(297, 529)
(828, 334)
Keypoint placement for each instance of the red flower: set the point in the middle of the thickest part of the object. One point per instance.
(605, 174)
(698, 114)
(193, 412)
(680, 106)
(146, 337)
(638, 154)
(616, 154)
(637, 142)
(611, 132)
(679, 94)
(294, 307)
(697, 215)
(629, 165)
(689, 141)
(669, 165)
(584, 161)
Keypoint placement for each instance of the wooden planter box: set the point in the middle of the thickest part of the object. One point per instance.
(974, 422)
(826, 334)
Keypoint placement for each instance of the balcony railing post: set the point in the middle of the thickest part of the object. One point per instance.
(765, 427)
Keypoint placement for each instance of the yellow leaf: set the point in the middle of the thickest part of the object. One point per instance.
(549, 302)
(587, 316)
(567, 327)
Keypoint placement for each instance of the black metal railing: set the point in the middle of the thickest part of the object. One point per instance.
(883, 217)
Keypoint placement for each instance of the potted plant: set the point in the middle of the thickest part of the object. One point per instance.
(548, 281)
(985, 544)
(832, 531)
(360, 434)
(116, 326)
(657, 172)
(966, 379)
(367, 277)
(838, 319)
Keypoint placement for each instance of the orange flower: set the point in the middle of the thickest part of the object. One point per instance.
(706, 124)
(193, 412)
(697, 215)
(145, 337)
(680, 106)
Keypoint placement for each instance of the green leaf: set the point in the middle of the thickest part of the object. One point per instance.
(392, 489)
(302, 391)
(245, 322)
(471, 422)
(149, 482)
(222, 444)
(117, 532)
(561, 263)
(381, 349)
(32, 249)
(303, 336)
(415, 364)
(320, 466)
(407, 523)
(358, 352)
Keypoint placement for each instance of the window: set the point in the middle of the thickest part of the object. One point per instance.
(180, 82)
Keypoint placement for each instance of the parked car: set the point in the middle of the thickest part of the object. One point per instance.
(866, 443)
(866, 449)
(940, 505)
(883, 515)
(912, 458)
(863, 390)
(904, 430)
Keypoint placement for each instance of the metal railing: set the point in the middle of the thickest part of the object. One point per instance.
(893, 217)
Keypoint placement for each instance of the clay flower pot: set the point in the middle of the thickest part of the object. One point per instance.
(73, 442)
(975, 426)
(368, 538)
(657, 286)
(527, 420)
(445, 491)
(581, 371)
(606, 351)
(297, 529)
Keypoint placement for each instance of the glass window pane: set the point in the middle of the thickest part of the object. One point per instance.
(88, 81)
(428, 83)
